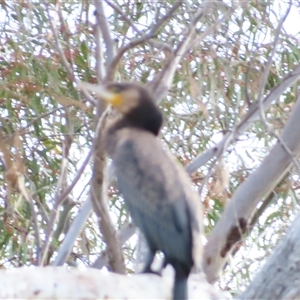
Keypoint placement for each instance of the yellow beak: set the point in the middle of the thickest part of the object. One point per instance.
(111, 98)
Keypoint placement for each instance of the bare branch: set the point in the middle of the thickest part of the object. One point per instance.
(124, 17)
(73, 232)
(57, 43)
(62, 283)
(99, 200)
(66, 34)
(246, 86)
(251, 116)
(260, 183)
(156, 44)
(104, 28)
(265, 75)
(36, 228)
(163, 80)
(262, 86)
(61, 184)
(124, 235)
(138, 41)
(57, 202)
(279, 277)
(60, 51)
(100, 70)
(76, 227)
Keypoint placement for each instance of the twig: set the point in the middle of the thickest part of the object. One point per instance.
(156, 44)
(77, 226)
(265, 75)
(246, 87)
(209, 30)
(138, 41)
(262, 86)
(162, 81)
(124, 17)
(73, 232)
(124, 235)
(251, 116)
(65, 33)
(57, 203)
(62, 56)
(36, 228)
(103, 26)
(57, 43)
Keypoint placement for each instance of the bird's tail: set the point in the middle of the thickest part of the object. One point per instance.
(180, 285)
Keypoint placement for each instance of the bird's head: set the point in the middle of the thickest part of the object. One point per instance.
(133, 101)
(124, 97)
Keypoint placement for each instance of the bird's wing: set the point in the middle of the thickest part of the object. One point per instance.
(152, 189)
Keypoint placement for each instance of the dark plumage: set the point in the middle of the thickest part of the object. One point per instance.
(156, 190)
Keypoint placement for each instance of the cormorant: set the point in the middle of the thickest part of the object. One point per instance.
(156, 190)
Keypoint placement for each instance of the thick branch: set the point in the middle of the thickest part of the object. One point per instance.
(99, 200)
(260, 183)
(279, 277)
(250, 117)
(62, 283)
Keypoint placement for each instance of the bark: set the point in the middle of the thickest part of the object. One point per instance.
(238, 213)
(62, 283)
(100, 205)
(279, 277)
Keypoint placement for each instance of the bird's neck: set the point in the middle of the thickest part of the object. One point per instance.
(148, 119)
(143, 118)
(152, 126)
(114, 131)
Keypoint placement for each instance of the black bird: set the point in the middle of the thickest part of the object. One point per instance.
(156, 190)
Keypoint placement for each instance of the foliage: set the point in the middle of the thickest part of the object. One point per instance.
(47, 126)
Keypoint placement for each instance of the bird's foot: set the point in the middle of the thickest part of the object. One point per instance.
(148, 270)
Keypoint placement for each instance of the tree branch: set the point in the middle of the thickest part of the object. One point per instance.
(124, 17)
(104, 28)
(62, 283)
(279, 277)
(138, 41)
(99, 200)
(57, 202)
(73, 232)
(235, 219)
(60, 51)
(161, 83)
(124, 235)
(250, 117)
